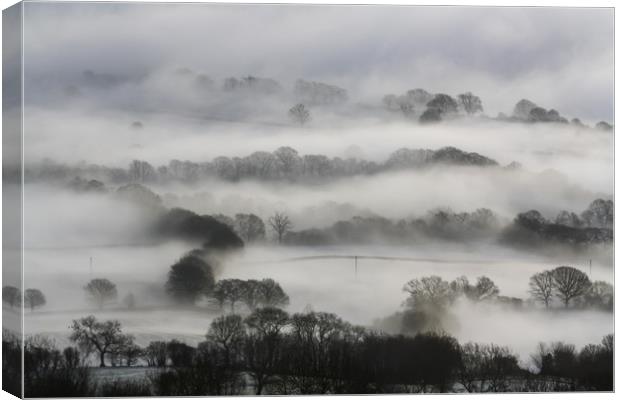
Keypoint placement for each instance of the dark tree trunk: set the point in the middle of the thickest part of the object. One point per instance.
(102, 358)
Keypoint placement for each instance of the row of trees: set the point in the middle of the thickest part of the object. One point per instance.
(568, 284)
(593, 226)
(412, 104)
(284, 163)
(429, 301)
(33, 298)
(273, 352)
(528, 111)
(251, 228)
(437, 224)
(252, 293)
(427, 107)
(99, 292)
(571, 285)
(192, 278)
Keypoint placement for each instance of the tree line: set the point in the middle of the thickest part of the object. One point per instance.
(530, 229)
(415, 104)
(593, 226)
(285, 163)
(272, 352)
(418, 104)
(192, 278)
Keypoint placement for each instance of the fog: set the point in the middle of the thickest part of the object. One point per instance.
(375, 292)
(504, 53)
(147, 83)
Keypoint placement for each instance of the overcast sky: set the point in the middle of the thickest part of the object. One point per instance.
(558, 57)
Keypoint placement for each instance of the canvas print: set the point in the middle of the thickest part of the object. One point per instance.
(210, 199)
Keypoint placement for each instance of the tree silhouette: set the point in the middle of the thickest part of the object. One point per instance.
(281, 224)
(250, 227)
(470, 102)
(189, 278)
(101, 291)
(11, 296)
(569, 283)
(541, 286)
(92, 335)
(33, 298)
(271, 294)
(299, 114)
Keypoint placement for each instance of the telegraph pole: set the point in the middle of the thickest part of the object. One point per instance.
(590, 268)
(355, 267)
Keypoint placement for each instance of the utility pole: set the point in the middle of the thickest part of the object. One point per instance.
(355, 267)
(590, 268)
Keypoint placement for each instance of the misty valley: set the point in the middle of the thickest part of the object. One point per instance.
(194, 230)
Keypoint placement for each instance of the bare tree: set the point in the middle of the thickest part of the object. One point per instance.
(228, 331)
(262, 344)
(569, 283)
(281, 224)
(92, 335)
(101, 291)
(33, 298)
(299, 114)
(541, 287)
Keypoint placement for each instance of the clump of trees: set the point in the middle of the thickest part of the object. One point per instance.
(273, 352)
(87, 185)
(33, 298)
(189, 279)
(430, 298)
(593, 226)
(586, 368)
(604, 126)
(437, 224)
(214, 234)
(427, 107)
(319, 93)
(252, 293)
(409, 103)
(570, 286)
(283, 163)
(103, 338)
